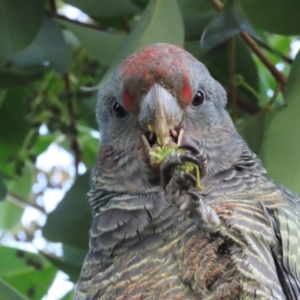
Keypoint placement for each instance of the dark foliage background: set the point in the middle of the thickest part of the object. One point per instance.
(50, 69)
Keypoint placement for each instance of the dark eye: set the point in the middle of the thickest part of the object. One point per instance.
(119, 110)
(198, 98)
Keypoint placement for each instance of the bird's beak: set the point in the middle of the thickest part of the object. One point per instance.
(160, 115)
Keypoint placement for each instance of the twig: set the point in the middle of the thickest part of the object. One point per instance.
(231, 76)
(239, 80)
(280, 78)
(287, 59)
(22, 203)
(88, 25)
(74, 143)
(125, 24)
(245, 104)
(53, 5)
(274, 98)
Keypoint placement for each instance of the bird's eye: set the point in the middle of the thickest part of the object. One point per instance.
(198, 98)
(119, 110)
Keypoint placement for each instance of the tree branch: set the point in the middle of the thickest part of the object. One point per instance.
(280, 77)
(74, 143)
(22, 203)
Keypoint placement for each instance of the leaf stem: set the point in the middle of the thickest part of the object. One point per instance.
(22, 203)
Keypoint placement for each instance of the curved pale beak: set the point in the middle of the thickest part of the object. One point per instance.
(160, 113)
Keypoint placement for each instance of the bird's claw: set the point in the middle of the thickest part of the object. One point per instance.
(175, 160)
(180, 186)
(203, 213)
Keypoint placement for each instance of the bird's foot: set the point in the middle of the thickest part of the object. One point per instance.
(183, 190)
(202, 212)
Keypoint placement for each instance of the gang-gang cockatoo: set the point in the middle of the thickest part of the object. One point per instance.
(159, 234)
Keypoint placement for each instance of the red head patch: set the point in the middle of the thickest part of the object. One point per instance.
(165, 64)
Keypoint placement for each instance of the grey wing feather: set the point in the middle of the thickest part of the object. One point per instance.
(286, 222)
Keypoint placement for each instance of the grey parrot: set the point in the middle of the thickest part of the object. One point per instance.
(156, 232)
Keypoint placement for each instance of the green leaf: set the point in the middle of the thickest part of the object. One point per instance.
(49, 48)
(89, 144)
(282, 141)
(74, 255)
(276, 16)
(102, 45)
(7, 292)
(71, 269)
(43, 142)
(69, 296)
(10, 213)
(292, 88)
(140, 3)
(10, 79)
(20, 22)
(105, 8)
(3, 189)
(70, 263)
(28, 273)
(253, 131)
(13, 126)
(217, 61)
(195, 24)
(188, 7)
(228, 23)
(160, 22)
(86, 111)
(196, 16)
(72, 215)
(194, 48)
(89, 147)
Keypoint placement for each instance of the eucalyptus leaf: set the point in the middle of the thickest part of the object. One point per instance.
(227, 24)
(253, 130)
(10, 212)
(217, 61)
(275, 16)
(48, 49)
(70, 222)
(28, 273)
(20, 22)
(160, 22)
(13, 127)
(8, 292)
(69, 296)
(282, 140)
(292, 89)
(3, 189)
(102, 45)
